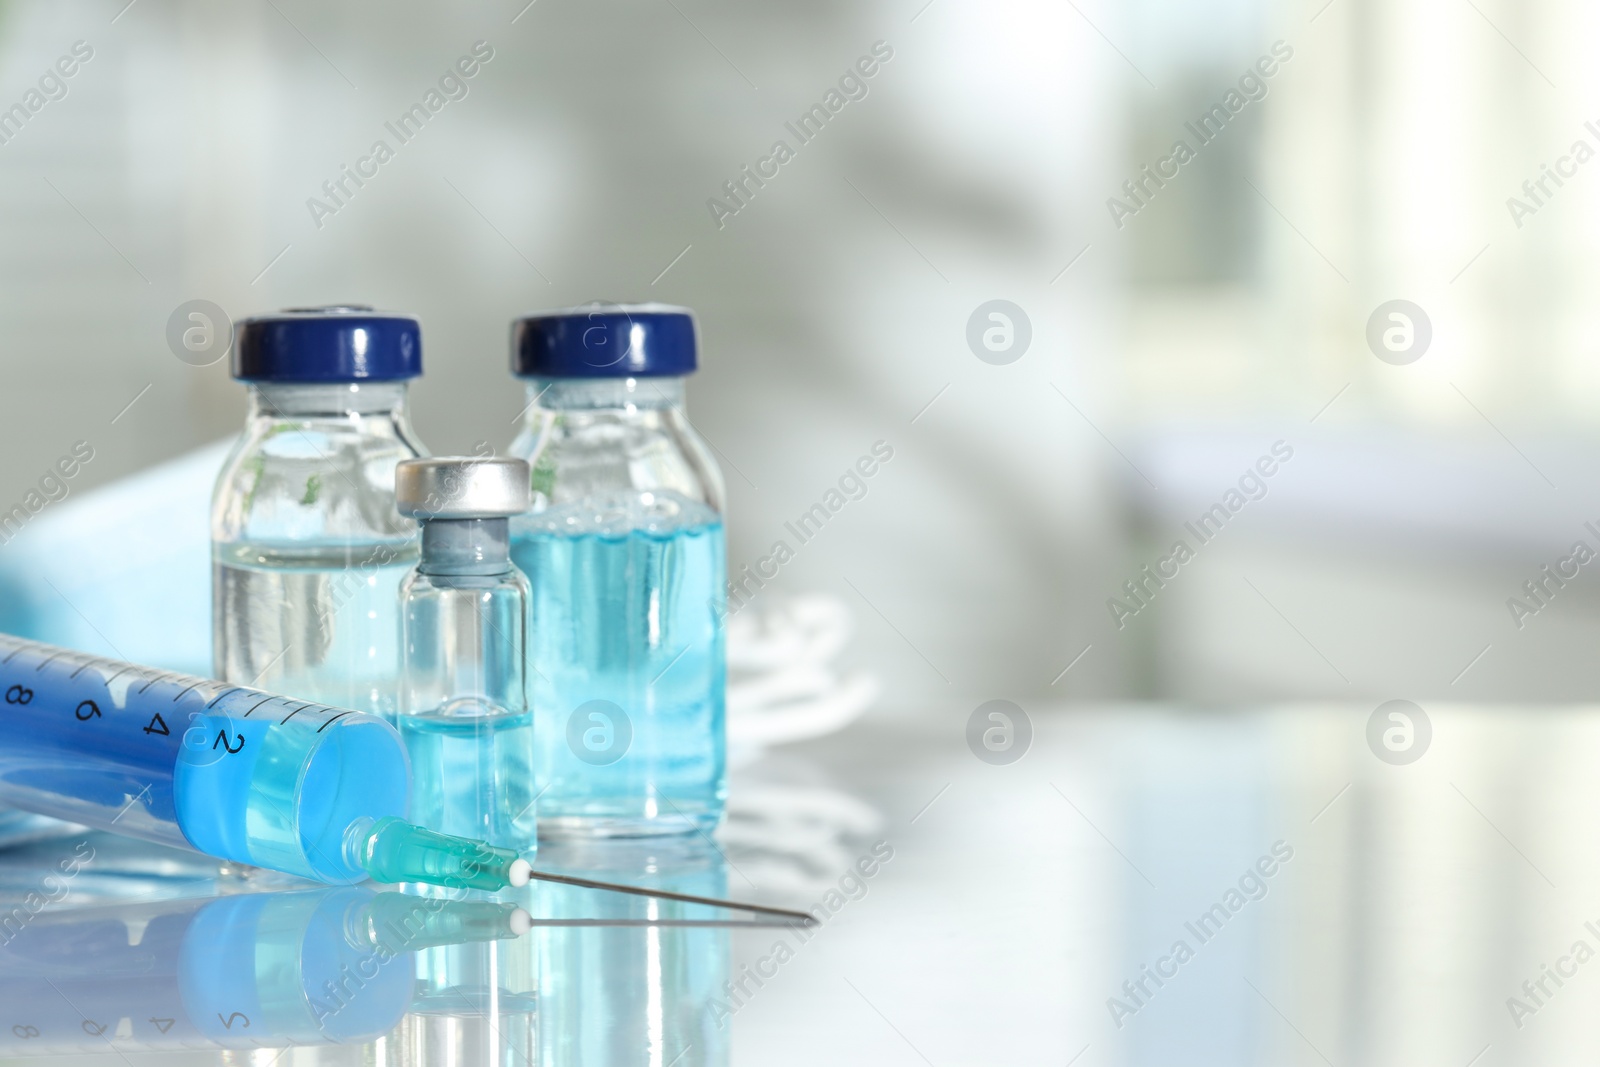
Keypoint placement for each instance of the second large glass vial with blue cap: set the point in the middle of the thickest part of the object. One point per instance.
(626, 555)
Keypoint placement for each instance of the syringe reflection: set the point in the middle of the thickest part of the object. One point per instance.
(249, 971)
(406, 978)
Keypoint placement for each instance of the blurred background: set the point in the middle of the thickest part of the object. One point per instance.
(1176, 330)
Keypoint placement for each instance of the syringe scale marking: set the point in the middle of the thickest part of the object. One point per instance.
(159, 676)
(333, 720)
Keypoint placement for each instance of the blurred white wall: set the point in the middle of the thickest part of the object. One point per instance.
(1229, 312)
(1423, 495)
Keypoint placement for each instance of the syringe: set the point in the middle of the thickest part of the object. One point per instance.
(236, 773)
(229, 771)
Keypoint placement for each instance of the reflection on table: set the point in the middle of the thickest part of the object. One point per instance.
(547, 974)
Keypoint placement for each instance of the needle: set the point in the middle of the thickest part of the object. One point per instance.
(720, 924)
(662, 894)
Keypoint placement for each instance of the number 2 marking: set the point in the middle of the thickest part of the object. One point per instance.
(222, 740)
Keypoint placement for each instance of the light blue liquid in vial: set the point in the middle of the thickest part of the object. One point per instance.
(623, 595)
(479, 779)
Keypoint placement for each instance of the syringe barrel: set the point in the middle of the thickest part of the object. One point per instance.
(223, 769)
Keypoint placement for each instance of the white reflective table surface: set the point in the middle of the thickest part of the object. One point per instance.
(1145, 885)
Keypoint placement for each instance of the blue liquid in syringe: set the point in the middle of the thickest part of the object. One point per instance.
(226, 770)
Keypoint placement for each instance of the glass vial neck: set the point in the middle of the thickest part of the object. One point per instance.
(327, 399)
(465, 547)
(597, 394)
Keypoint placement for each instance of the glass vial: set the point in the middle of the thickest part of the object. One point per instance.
(307, 548)
(464, 711)
(624, 549)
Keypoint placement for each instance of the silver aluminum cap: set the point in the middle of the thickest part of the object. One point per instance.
(461, 487)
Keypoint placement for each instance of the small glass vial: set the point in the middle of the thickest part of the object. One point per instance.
(307, 548)
(464, 710)
(624, 549)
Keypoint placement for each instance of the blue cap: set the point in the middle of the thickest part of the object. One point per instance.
(343, 343)
(605, 341)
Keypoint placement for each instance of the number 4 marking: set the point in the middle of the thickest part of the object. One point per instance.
(158, 725)
(163, 1024)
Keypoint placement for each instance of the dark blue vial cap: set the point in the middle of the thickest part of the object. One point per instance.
(605, 341)
(342, 343)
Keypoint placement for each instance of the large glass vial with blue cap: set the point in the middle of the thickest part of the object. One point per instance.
(308, 550)
(625, 553)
